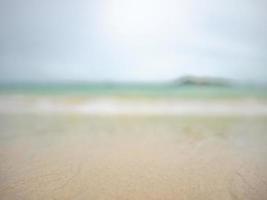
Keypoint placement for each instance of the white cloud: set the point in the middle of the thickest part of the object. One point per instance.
(132, 39)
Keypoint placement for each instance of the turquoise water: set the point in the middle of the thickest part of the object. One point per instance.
(136, 90)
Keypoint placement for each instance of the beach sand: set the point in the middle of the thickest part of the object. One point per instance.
(127, 157)
(104, 153)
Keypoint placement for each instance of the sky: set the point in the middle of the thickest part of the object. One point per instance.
(132, 40)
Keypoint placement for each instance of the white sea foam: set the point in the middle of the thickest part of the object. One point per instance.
(116, 106)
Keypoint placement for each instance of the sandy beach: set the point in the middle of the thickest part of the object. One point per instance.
(133, 100)
(146, 154)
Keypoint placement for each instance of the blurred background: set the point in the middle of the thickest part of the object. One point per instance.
(123, 99)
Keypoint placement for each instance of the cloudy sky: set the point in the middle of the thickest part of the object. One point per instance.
(132, 40)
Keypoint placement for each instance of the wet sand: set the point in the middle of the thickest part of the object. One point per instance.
(132, 157)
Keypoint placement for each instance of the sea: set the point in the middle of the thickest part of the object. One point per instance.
(147, 90)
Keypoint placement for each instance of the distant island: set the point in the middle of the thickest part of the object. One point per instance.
(201, 81)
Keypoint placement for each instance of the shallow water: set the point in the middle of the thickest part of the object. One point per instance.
(137, 90)
(89, 157)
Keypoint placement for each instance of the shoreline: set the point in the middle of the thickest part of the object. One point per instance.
(118, 106)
